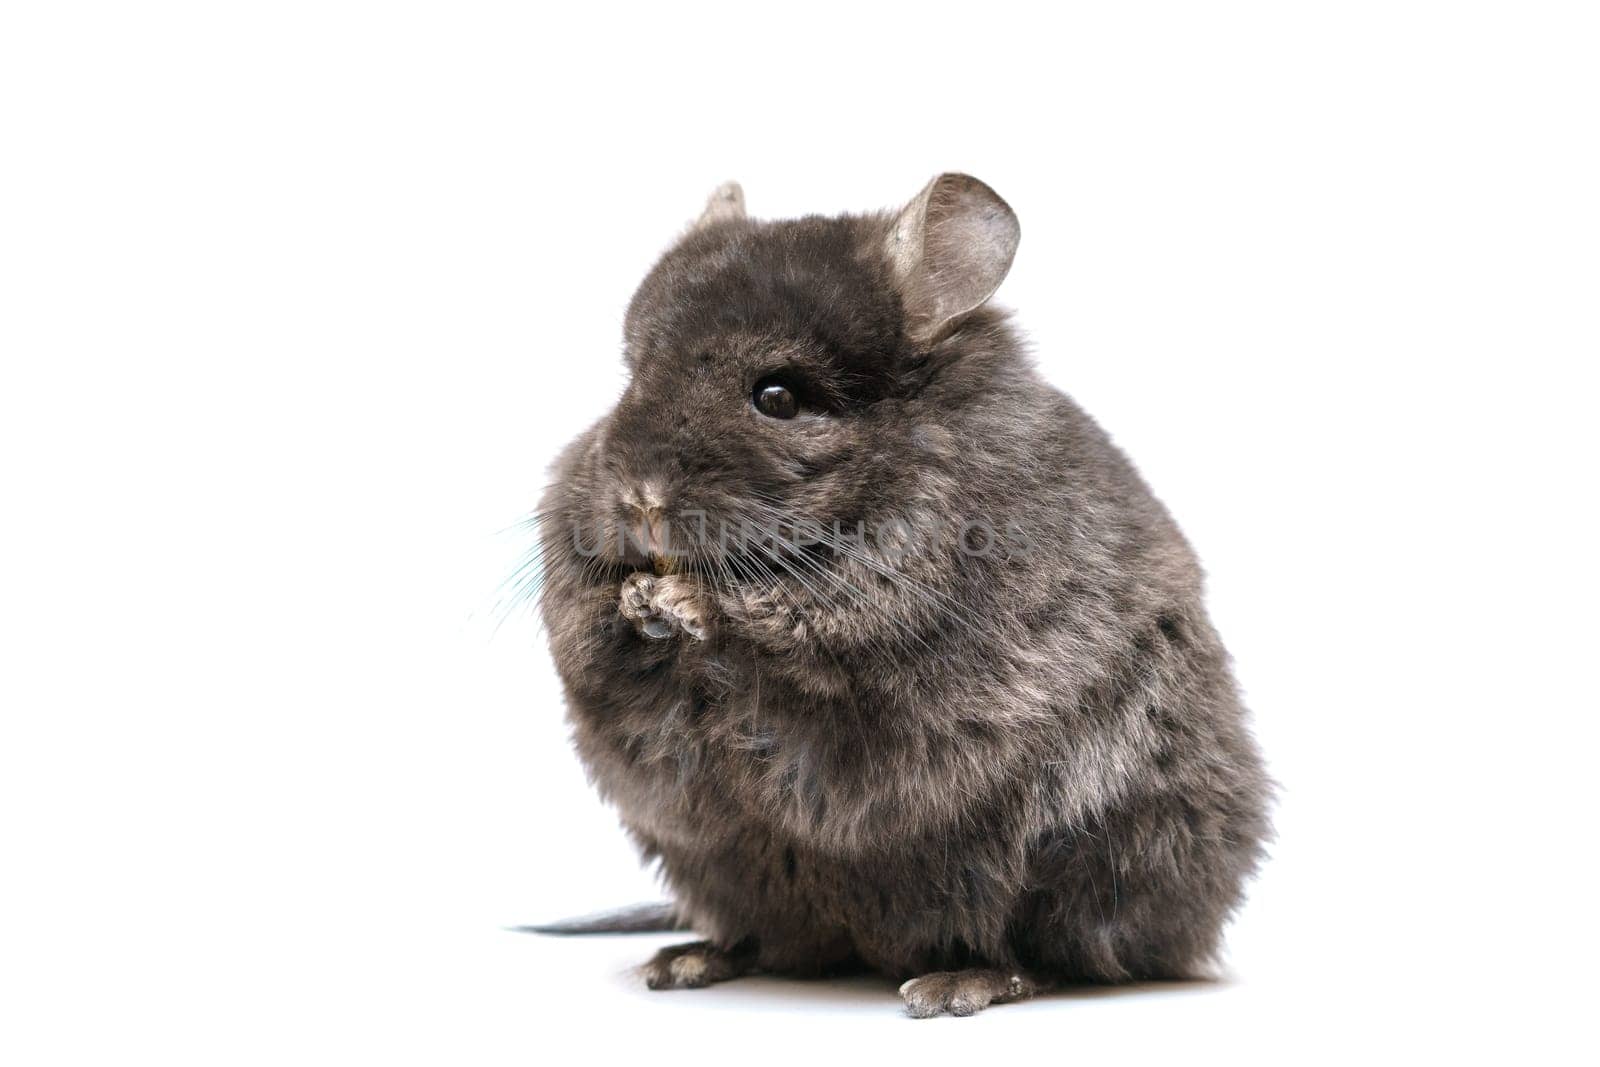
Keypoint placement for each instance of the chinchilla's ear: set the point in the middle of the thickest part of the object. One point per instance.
(950, 248)
(726, 202)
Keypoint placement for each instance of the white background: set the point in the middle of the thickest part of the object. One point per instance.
(297, 301)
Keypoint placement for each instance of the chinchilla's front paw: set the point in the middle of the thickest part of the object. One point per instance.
(772, 615)
(660, 606)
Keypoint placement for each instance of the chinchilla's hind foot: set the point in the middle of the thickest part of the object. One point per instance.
(964, 992)
(697, 964)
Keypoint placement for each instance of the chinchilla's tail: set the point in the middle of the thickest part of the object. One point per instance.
(638, 919)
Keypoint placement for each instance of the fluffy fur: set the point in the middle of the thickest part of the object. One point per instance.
(988, 772)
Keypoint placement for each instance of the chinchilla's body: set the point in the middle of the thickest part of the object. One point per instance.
(974, 728)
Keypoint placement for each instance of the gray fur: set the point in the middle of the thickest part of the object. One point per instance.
(1032, 766)
(636, 919)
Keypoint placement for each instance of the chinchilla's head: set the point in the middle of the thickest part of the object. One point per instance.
(776, 367)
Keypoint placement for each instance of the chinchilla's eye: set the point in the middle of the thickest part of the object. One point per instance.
(776, 400)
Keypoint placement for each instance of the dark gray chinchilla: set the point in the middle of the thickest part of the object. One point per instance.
(878, 644)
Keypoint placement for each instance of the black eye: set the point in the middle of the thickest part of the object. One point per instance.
(775, 400)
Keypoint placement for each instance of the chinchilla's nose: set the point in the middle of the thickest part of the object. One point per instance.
(646, 497)
(649, 496)
(645, 505)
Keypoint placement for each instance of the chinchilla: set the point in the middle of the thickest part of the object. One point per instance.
(881, 649)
